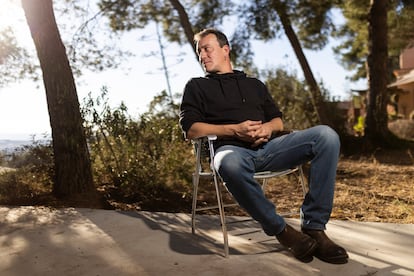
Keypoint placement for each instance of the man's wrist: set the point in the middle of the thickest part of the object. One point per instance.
(231, 130)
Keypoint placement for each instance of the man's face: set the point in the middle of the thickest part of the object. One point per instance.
(213, 57)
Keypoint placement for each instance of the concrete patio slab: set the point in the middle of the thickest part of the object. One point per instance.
(76, 241)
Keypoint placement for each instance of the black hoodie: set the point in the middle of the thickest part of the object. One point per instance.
(229, 98)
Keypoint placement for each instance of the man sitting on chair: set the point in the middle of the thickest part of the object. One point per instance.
(248, 124)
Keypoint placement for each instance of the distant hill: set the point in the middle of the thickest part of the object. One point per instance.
(10, 145)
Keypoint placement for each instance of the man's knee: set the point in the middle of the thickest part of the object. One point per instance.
(228, 165)
(328, 135)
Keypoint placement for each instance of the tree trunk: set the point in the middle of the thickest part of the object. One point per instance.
(185, 23)
(73, 174)
(376, 129)
(317, 98)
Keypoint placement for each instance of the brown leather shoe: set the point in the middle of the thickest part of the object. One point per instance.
(326, 249)
(299, 244)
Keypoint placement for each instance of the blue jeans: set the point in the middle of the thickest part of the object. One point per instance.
(319, 145)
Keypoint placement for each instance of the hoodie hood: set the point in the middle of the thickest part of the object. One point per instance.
(235, 75)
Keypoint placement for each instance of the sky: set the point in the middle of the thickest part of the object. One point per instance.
(23, 107)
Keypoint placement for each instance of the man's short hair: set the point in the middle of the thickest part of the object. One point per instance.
(221, 37)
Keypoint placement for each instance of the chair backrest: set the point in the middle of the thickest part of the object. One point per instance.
(204, 151)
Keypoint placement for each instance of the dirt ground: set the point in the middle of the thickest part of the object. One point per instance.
(377, 188)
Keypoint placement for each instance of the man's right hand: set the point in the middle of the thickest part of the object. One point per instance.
(247, 130)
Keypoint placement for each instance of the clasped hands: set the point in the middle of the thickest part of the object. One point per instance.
(254, 132)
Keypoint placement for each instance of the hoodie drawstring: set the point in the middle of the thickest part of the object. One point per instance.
(240, 91)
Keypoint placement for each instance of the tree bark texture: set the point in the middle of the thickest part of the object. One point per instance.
(316, 96)
(73, 174)
(376, 129)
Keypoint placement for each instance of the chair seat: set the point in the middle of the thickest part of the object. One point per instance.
(270, 174)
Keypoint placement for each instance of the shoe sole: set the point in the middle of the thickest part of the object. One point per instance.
(336, 260)
(307, 257)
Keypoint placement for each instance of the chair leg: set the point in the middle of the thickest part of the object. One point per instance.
(196, 179)
(264, 183)
(222, 216)
(302, 181)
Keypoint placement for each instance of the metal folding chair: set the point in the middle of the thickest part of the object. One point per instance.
(204, 149)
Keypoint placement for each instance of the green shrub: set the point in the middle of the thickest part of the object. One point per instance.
(137, 155)
(32, 174)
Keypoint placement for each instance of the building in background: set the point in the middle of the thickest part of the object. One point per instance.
(402, 97)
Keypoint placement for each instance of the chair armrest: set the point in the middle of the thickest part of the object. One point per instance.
(212, 137)
(207, 137)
